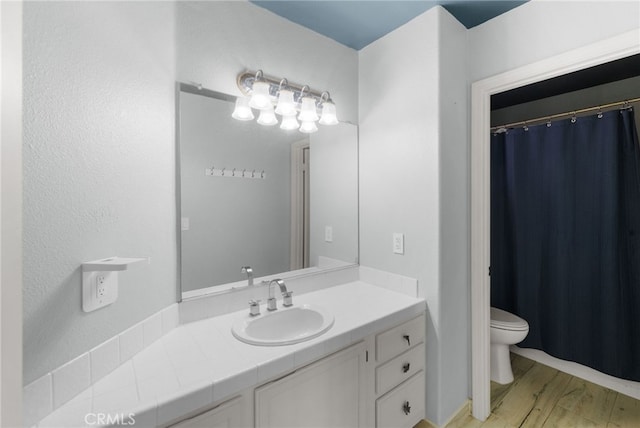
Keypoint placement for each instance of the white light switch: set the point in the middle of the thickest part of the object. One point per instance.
(328, 234)
(398, 243)
(184, 223)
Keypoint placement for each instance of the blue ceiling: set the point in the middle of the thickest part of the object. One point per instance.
(357, 23)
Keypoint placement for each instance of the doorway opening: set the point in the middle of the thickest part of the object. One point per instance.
(300, 204)
(613, 49)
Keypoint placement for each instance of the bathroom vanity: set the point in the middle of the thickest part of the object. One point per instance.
(329, 392)
(376, 382)
(367, 370)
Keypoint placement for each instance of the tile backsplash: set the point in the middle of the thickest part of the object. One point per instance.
(49, 392)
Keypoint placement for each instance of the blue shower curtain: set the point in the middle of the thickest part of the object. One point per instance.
(565, 238)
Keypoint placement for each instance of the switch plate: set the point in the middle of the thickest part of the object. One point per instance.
(99, 289)
(398, 243)
(184, 223)
(328, 234)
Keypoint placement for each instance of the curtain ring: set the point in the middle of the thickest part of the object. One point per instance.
(573, 118)
(549, 123)
(525, 127)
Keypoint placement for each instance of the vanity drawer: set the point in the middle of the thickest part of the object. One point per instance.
(403, 407)
(397, 340)
(399, 369)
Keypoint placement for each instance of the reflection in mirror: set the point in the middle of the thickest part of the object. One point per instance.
(252, 195)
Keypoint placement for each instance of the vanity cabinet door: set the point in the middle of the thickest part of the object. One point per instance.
(329, 393)
(226, 415)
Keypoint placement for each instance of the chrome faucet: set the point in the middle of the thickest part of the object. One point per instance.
(271, 301)
(249, 272)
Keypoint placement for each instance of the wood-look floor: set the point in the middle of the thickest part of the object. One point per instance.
(541, 396)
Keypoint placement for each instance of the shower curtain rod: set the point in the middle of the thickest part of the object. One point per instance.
(503, 128)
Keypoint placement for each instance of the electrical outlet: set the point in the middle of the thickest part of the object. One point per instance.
(101, 289)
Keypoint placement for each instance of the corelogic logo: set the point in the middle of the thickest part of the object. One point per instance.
(102, 419)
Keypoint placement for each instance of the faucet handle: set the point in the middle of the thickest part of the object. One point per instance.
(254, 307)
(286, 298)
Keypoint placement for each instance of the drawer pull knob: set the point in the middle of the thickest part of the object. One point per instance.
(406, 337)
(406, 408)
(406, 367)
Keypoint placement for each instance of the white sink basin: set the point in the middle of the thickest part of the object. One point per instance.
(284, 326)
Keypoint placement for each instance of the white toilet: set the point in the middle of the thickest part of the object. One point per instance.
(506, 329)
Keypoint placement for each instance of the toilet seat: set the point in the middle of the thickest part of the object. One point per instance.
(504, 320)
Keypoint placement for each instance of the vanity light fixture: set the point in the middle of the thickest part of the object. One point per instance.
(289, 123)
(286, 105)
(260, 96)
(328, 111)
(308, 109)
(267, 116)
(292, 103)
(308, 127)
(242, 110)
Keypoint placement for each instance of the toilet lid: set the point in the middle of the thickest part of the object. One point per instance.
(506, 320)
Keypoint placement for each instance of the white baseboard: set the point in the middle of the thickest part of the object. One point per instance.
(626, 387)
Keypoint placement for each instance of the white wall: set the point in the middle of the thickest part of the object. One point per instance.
(98, 168)
(454, 219)
(541, 29)
(413, 179)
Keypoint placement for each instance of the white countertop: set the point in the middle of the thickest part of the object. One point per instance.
(200, 363)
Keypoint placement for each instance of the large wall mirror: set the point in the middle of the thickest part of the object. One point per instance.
(282, 202)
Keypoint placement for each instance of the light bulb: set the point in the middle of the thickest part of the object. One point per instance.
(308, 127)
(242, 111)
(267, 117)
(289, 123)
(260, 98)
(308, 110)
(328, 114)
(286, 106)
